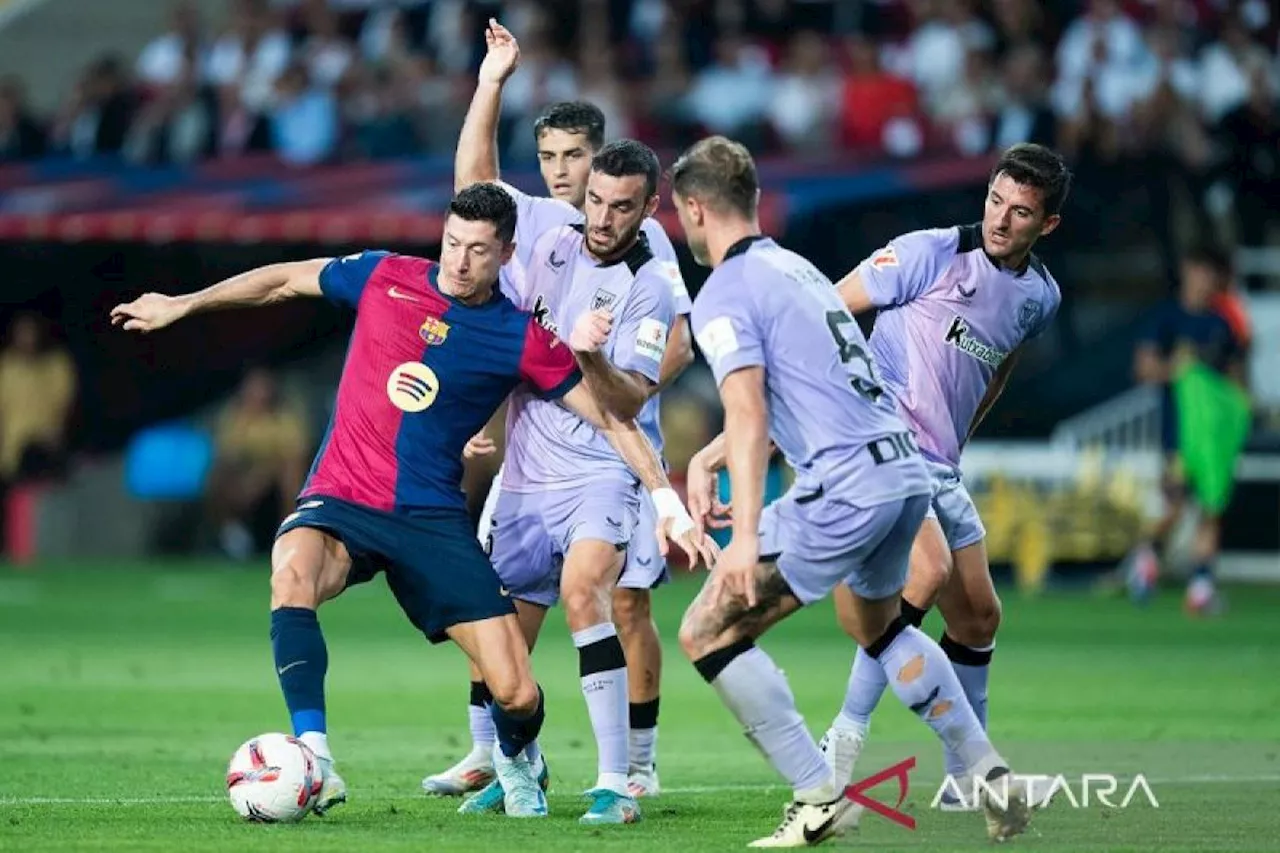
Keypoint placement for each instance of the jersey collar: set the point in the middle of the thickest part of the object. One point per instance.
(741, 247)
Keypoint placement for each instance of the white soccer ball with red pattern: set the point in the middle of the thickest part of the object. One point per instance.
(273, 778)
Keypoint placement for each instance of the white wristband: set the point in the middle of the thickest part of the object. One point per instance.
(667, 504)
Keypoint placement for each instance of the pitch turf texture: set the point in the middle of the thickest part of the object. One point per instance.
(125, 689)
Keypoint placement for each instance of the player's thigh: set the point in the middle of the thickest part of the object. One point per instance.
(441, 576)
(498, 650)
(593, 527)
(717, 618)
(531, 616)
(521, 550)
(311, 560)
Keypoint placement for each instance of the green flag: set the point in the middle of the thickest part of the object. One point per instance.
(1213, 423)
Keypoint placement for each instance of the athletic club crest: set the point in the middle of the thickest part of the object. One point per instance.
(602, 299)
(434, 331)
(1029, 315)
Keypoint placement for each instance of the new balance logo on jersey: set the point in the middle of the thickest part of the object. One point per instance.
(542, 315)
(959, 336)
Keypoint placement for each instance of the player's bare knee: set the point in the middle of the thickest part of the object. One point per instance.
(295, 583)
(516, 695)
(631, 612)
(697, 636)
(978, 626)
(585, 605)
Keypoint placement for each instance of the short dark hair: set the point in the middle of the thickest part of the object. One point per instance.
(485, 202)
(720, 173)
(625, 157)
(1211, 255)
(1037, 166)
(573, 117)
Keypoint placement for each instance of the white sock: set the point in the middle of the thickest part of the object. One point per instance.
(483, 733)
(317, 742)
(640, 753)
(866, 685)
(533, 752)
(922, 677)
(757, 693)
(973, 667)
(604, 684)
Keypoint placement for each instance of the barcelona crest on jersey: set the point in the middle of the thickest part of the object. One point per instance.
(434, 331)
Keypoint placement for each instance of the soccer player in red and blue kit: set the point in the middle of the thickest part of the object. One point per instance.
(435, 350)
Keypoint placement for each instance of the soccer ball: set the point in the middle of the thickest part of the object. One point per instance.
(273, 778)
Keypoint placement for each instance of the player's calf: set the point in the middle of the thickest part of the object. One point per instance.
(633, 617)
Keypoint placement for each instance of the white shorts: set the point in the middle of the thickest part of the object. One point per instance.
(953, 507)
(819, 542)
(645, 567)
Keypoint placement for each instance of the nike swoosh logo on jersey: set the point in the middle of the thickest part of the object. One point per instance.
(400, 294)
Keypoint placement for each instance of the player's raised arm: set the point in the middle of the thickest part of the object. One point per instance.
(477, 156)
(261, 286)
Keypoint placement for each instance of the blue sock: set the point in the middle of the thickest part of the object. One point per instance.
(515, 733)
(301, 662)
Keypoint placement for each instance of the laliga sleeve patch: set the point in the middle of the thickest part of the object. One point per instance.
(886, 257)
(671, 270)
(651, 338)
(718, 339)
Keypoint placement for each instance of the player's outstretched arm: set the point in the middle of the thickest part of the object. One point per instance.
(477, 156)
(261, 286)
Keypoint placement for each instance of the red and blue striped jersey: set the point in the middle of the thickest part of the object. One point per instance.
(423, 373)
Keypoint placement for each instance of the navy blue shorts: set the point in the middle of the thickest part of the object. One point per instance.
(435, 566)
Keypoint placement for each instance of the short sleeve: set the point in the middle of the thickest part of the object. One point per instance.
(547, 364)
(535, 216)
(641, 338)
(1049, 310)
(904, 269)
(669, 263)
(725, 329)
(342, 280)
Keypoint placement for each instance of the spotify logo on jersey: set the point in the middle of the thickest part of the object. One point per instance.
(412, 387)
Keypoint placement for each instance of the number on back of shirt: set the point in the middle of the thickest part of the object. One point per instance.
(862, 370)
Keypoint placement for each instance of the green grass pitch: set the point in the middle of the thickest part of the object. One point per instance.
(125, 689)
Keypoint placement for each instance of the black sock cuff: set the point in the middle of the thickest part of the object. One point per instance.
(710, 665)
(896, 627)
(480, 694)
(601, 656)
(644, 715)
(914, 615)
(298, 614)
(964, 655)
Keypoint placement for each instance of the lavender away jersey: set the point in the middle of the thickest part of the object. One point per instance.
(535, 216)
(549, 447)
(767, 306)
(949, 317)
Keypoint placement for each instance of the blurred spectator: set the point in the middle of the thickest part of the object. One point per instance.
(938, 48)
(168, 58)
(37, 392)
(872, 97)
(260, 462)
(95, 119)
(1023, 113)
(1227, 66)
(730, 96)
(327, 54)
(21, 136)
(800, 106)
(304, 119)
(1250, 136)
